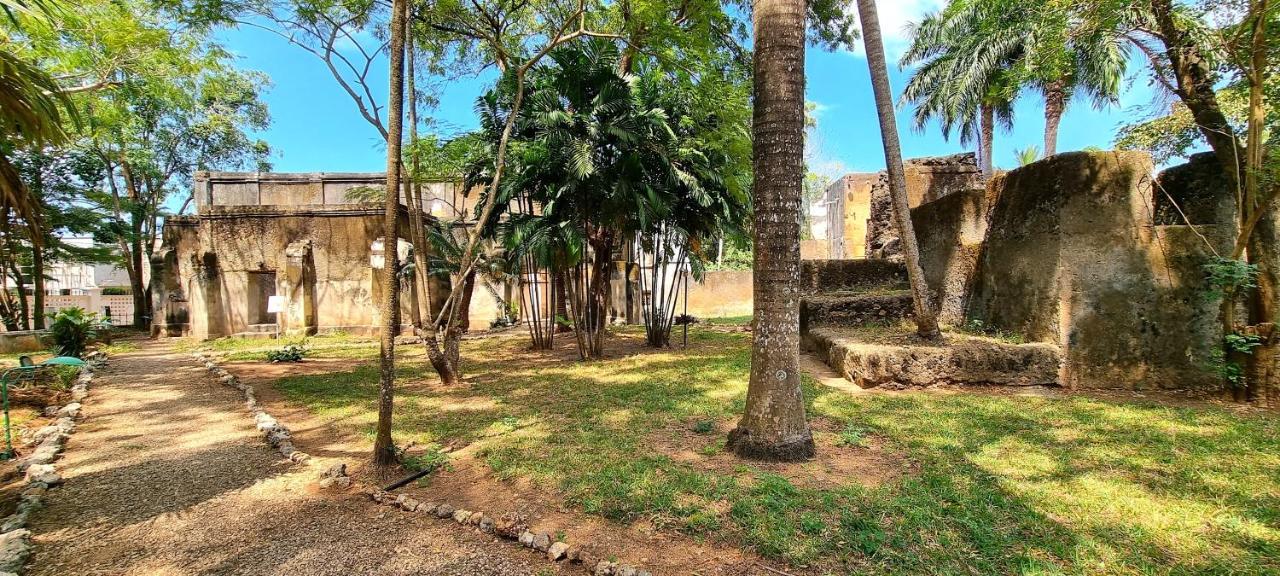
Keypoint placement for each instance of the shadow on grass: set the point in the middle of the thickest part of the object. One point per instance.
(1003, 484)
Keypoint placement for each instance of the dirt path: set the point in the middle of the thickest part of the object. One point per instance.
(165, 475)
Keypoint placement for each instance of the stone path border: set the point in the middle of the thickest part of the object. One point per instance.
(277, 435)
(510, 527)
(39, 471)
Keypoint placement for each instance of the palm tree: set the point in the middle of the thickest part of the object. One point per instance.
(31, 112)
(975, 56)
(384, 454)
(926, 315)
(773, 426)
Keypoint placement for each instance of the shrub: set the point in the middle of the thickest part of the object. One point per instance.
(71, 330)
(290, 353)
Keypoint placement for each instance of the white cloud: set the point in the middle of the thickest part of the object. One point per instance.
(895, 16)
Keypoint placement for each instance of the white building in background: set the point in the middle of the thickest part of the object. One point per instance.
(74, 278)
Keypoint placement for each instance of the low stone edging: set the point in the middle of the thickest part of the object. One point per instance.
(39, 470)
(335, 477)
(276, 434)
(510, 527)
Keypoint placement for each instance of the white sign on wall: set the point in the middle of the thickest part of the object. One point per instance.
(275, 304)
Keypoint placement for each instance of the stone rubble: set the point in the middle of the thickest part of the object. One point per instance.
(38, 468)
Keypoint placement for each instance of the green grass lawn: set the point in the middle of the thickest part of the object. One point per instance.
(995, 483)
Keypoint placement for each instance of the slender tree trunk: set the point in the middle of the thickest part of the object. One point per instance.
(1264, 382)
(926, 315)
(774, 426)
(384, 454)
(986, 136)
(136, 283)
(560, 307)
(37, 285)
(1055, 102)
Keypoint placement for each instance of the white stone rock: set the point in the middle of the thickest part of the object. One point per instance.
(557, 551)
(45, 473)
(15, 546)
(71, 410)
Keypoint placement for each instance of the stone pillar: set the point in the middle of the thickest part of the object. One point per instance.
(207, 317)
(168, 302)
(297, 286)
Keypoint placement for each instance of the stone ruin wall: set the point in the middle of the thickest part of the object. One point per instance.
(1076, 250)
(299, 233)
(928, 179)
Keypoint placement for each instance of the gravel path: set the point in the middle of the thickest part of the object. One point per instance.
(166, 475)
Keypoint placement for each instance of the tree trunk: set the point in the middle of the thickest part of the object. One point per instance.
(136, 284)
(37, 284)
(774, 426)
(384, 454)
(926, 316)
(560, 307)
(1195, 87)
(1055, 102)
(986, 138)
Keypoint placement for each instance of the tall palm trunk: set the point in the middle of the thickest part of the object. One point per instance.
(773, 426)
(384, 454)
(1055, 103)
(926, 316)
(986, 136)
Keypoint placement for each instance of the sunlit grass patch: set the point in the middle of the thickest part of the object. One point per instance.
(989, 484)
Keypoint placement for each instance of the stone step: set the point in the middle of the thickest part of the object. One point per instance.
(905, 361)
(861, 274)
(854, 308)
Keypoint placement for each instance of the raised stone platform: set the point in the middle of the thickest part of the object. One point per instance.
(895, 358)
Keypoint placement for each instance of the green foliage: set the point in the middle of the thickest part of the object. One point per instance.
(1027, 155)
(71, 331)
(61, 377)
(737, 256)
(976, 53)
(1175, 134)
(852, 435)
(432, 458)
(977, 327)
(1227, 277)
(704, 426)
(979, 483)
(290, 353)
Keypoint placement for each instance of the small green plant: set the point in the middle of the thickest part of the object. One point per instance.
(979, 328)
(1231, 371)
(704, 427)
(290, 353)
(71, 330)
(433, 458)
(852, 436)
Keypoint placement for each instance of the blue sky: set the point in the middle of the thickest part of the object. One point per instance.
(316, 127)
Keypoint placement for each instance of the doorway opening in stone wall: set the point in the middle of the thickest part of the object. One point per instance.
(262, 286)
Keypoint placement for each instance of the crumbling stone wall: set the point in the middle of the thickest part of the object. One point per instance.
(928, 179)
(248, 226)
(1073, 256)
(950, 231)
(1193, 193)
